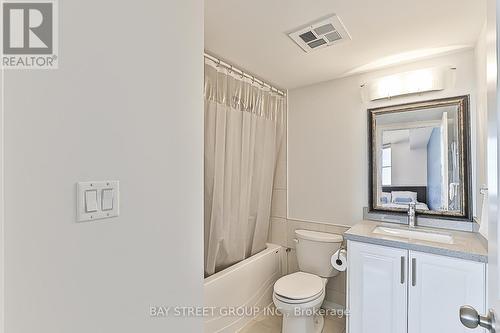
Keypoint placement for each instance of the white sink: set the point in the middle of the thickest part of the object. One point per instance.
(409, 233)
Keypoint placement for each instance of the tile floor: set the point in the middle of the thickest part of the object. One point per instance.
(272, 324)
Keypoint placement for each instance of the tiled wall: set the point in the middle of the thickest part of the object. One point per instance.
(278, 225)
(281, 230)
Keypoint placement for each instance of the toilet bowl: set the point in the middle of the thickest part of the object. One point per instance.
(298, 296)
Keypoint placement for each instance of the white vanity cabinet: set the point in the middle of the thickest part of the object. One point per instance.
(438, 286)
(377, 288)
(392, 290)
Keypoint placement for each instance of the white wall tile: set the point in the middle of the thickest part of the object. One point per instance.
(336, 297)
(280, 175)
(337, 283)
(278, 205)
(278, 228)
(293, 266)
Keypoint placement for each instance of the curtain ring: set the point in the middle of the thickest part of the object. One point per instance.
(253, 79)
(218, 63)
(231, 70)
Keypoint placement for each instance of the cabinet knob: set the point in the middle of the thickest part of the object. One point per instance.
(471, 319)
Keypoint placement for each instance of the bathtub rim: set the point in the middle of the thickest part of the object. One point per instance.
(270, 247)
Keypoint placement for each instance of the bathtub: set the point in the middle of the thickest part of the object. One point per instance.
(248, 284)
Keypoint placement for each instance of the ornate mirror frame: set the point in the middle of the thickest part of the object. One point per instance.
(464, 148)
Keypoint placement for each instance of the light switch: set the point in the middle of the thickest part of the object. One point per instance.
(107, 199)
(97, 200)
(91, 201)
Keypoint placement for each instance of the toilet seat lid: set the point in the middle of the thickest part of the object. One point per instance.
(299, 285)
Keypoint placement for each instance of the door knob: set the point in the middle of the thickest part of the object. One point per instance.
(471, 319)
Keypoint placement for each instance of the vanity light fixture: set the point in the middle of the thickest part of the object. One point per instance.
(407, 83)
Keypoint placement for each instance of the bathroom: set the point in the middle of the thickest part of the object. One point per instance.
(327, 148)
(250, 166)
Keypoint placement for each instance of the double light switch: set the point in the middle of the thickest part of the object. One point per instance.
(98, 200)
(92, 200)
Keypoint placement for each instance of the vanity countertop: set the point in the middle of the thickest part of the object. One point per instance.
(466, 245)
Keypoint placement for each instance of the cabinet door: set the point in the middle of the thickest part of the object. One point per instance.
(438, 286)
(377, 287)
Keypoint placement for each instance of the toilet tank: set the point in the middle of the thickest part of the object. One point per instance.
(314, 250)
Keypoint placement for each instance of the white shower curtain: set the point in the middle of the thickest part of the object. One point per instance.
(244, 126)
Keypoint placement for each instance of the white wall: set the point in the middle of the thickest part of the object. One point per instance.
(409, 166)
(327, 140)
(125, 104)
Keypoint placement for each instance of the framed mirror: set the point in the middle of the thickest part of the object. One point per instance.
(420, 153)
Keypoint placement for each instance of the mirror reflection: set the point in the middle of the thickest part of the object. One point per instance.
(418, 155)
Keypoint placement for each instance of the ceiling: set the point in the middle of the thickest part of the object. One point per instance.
(252, 35)
(417, 138)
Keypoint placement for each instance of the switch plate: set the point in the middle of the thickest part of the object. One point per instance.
(97, 200)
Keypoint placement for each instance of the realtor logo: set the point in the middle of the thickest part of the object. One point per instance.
(29, 34)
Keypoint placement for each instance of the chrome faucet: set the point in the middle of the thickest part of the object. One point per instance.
(412, 207)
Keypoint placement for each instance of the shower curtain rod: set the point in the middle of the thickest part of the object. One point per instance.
(242, 73)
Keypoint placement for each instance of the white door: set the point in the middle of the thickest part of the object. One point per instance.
(491, 318)
(377, 281)
(438, 286)
(493, 26)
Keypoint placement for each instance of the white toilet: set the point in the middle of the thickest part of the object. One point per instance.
(299, 295)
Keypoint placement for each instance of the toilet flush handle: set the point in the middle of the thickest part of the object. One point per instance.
(295, 240)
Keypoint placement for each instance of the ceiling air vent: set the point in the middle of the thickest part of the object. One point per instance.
(319, 34)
